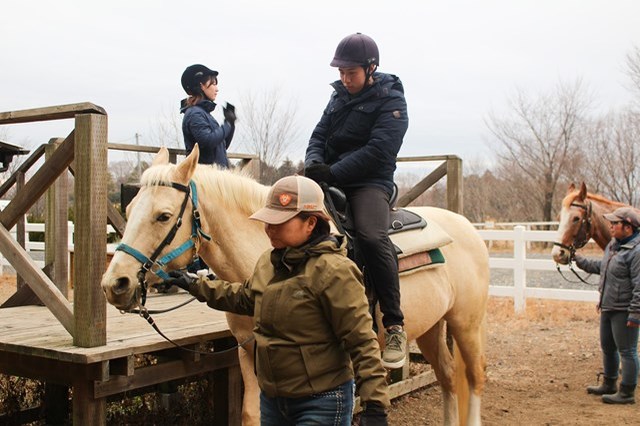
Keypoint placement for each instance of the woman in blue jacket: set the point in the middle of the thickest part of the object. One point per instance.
(198, 125)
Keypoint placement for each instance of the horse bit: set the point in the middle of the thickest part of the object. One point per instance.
(584, 232)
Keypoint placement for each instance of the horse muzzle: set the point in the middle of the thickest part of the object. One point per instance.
(120, 292)
(561, 255)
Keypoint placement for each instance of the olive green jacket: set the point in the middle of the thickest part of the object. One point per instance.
(312, 321)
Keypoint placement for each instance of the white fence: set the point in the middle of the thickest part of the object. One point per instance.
(520, 235)
(36, 248)
(520, 263)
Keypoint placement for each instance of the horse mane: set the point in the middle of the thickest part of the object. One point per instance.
(224, 187)
(571, 197)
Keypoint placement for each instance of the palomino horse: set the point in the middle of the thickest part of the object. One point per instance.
(580, 220)
(455, 292)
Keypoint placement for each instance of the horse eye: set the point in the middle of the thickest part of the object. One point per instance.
(576, 219)
(164, 217)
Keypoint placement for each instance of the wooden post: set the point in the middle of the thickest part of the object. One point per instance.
(90, 224)
(20, 227)
(88, 410)
(454, 184)
(226, 390)
(56, 239)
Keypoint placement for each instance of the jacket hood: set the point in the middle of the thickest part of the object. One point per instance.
(290, 257)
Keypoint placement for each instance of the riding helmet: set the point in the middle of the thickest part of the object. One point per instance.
(193, 75)
(356, 50)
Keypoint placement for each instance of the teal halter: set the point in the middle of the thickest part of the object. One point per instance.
(148, 263)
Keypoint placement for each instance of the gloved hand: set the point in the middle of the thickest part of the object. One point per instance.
(180, 279)
(229, 113)
(320, 173)
(373, 414)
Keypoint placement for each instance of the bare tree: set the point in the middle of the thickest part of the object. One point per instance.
(168, 130)
(540, 139)
(614, 156)
(267, 125)
(633, 69)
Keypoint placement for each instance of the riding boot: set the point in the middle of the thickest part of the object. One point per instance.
(607, 386)
(623, 396)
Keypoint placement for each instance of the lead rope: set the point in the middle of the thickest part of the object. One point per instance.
(144, 313)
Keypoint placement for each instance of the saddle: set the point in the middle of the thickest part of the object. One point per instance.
(416, 242)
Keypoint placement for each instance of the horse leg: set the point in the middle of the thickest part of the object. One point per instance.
(470, 344)
(433, 346)
(242, 329)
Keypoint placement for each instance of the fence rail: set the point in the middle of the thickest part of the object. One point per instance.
(520, 264)
(36, 248)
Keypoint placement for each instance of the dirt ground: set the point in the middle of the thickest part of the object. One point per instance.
(538, 366)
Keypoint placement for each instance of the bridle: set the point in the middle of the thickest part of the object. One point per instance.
(148, 263)
(152, 263)
(584, 231)
(579, 240)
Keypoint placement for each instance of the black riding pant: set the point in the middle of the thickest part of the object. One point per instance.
(374, 252)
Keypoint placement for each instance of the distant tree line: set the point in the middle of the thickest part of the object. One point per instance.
(542, 143)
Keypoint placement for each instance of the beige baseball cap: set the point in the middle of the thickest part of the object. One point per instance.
(290, 196)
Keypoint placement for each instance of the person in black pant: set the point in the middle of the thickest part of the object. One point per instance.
(619, 306)
(354, 147)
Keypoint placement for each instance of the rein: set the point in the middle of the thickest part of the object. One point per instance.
(144, 313)
(585, 232)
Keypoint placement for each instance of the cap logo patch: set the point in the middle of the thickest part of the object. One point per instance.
(284, 199)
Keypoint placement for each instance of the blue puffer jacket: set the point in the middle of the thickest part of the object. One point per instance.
(359, 137)
(619, 272)
(199, 126)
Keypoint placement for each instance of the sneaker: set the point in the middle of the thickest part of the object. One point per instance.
(395, 350)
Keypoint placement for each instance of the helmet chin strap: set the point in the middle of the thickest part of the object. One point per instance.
(368, 73)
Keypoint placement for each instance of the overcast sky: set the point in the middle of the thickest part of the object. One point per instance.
(458, 60)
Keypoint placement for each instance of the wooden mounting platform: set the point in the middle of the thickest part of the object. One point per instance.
(34, 344)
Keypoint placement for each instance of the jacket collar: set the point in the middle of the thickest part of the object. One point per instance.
(205, 104)
(290, 257)
(631, 241)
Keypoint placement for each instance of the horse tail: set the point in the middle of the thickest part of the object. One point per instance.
(462, 385)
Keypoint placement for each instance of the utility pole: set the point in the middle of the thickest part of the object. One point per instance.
(138, 143)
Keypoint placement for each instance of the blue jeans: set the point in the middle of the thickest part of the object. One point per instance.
(333, 407)
(619, 343)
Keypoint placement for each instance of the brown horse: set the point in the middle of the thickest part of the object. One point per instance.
(581, 220)
(455, 292)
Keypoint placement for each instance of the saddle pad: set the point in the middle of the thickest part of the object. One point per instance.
(417, 260)
(420, 240)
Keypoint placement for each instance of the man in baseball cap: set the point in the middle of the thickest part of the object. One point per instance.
(629, 215)
(619, 306)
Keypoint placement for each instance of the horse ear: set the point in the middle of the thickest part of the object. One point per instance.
(185, 170)
(162, 157)
(583, 191)
(572, 187)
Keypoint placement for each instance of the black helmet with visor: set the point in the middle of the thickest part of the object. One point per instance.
(193, 76)
(357, 50)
